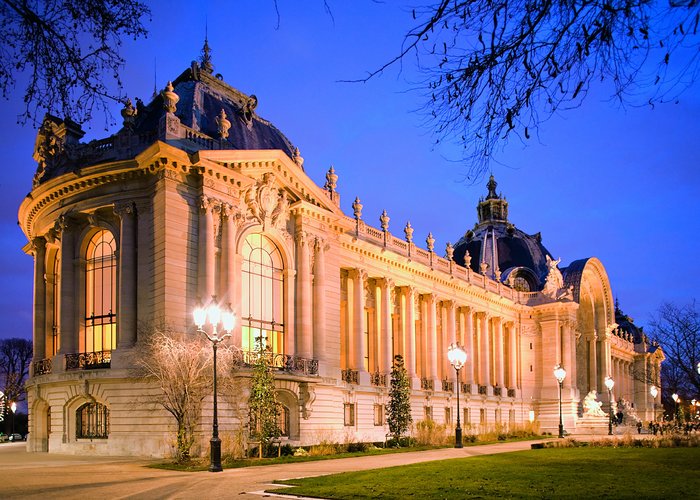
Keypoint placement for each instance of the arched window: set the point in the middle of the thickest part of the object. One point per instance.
(283, 420)
(521, 284)
(92, 421)
(100, 294)
(262, 298)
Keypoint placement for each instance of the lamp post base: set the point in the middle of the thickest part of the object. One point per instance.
(561, 431)
(458, 437)
(215, 446)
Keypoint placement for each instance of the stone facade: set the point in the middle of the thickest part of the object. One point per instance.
(184, 200)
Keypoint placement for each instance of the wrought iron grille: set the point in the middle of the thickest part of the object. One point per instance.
(42, 367)
(350, 376)
(88, 360)
(448, 386)
(426, 384)
(283, 362)
(378, 379)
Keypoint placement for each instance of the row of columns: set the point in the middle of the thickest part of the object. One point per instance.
(490, 342)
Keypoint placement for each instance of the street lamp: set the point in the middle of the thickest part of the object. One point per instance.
(560, 374)
(609, 383)
(676, 399)
(457, 357)
(215, 317)
(654, 391)
(13, 407)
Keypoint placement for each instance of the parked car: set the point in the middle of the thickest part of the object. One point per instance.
(16, 437)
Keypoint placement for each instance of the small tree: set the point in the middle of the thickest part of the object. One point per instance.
(399, 411)
(263, 405)
(181, 366)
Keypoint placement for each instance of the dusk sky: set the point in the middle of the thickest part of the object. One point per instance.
(619, 184)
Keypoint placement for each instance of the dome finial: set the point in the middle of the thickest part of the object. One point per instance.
(206, 66)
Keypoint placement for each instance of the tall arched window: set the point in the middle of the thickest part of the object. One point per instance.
(262, 298)
(100, 294)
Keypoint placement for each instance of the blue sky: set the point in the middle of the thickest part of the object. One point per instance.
(618, 184)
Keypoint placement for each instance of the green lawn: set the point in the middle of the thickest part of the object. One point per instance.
(585, 473)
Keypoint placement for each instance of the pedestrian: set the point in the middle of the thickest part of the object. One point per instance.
(639, 427)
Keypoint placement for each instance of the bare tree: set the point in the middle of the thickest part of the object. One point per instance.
(68, 50)
(677, 329)
(496, 69)
(181, 365)
(15, 356)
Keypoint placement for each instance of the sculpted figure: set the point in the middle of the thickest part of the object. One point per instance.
(591, 406)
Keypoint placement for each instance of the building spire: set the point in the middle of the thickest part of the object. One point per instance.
(492, 188)
(155, 78)
(206, 65)
(493, 208)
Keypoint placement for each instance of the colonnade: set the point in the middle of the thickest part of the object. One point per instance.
(383, 319)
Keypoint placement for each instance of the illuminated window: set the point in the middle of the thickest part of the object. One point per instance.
(92, 421)
(378, 414)
(55, 310)
(262, 301)
(349, 414)
(283, 420)
(100, 294)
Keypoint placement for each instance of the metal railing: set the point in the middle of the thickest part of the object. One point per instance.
(378, 379)
(283, 362)
(426, 384)
(350, 376)
(42, 367)
(448, 386)
(88, 360)
(482, 389)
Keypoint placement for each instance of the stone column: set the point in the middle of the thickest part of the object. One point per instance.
(39, 250)
(469, 345)
(569, 356)
(126, 315)
(432, 368)
(359, 276)
(304, 310)
(386, 350)
(68, 339)
(230, 285)
(451, 321)
(206, 257)
(484, 359)
(498, 345)
(513, 356)
(319, 333)
(410, 340)
(592, 363)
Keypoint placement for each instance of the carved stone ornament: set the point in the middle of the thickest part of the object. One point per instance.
(170, 98)
(298, 159)
(384, 221)
(357, 208)
(248, 110)
(430, 241)
(408, 231)
(307, 396)
(222, 124)
(467, 260)
(129, 113)
(124, 208)
(331, 180)
(47, 149)
(483, 267)
(449, 251)
(266, 203)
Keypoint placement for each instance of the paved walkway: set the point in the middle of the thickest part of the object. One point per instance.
(41, 475)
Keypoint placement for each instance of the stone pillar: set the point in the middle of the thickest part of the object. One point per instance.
(386, 350)
(569, 356)
(410, 340)
(304, 312)
(319, 326)
(206, 257)
(230, 284)
(451, 325)
(126, 315)
(360, 348)
(592, 364)
(432, 367)
(512, 357)
(68, 339)
(469, 345)
(484, 359)
(498, 346)
(39, 250)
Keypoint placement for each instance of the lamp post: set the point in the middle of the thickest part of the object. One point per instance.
(609, 383)
(457, 357)
(214, 316)
(676, 399)
(654, 391)
(560, 374)
(13, 407)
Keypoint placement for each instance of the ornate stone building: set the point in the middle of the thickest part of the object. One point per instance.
(198, 196)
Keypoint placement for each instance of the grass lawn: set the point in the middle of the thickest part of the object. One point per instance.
(638, 473)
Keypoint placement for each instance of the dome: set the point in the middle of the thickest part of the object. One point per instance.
(500, 250)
